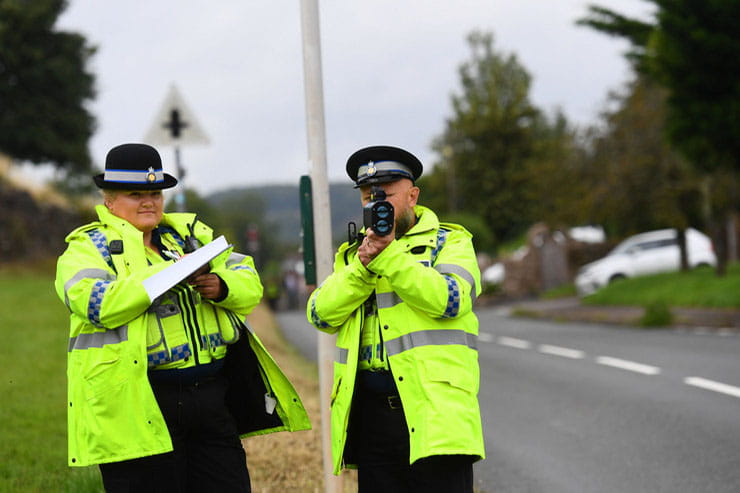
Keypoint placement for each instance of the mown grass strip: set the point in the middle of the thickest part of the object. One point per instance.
(697, 288)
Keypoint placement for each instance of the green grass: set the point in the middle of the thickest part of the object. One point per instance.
(564, 291)
(697, 288)
(34, 331)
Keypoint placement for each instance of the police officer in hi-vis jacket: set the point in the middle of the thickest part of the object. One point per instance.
(404, 404)
(160, 391)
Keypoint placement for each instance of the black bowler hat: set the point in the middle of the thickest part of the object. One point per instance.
(134, 167)
(382, 164)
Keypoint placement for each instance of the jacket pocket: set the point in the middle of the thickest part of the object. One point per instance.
(453, 373)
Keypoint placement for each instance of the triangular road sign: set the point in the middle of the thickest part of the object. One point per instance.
(175, 124)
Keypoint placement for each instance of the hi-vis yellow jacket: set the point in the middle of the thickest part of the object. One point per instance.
(112, 413)
(425, 284)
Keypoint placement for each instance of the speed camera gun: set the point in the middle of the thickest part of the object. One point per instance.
(378, 213)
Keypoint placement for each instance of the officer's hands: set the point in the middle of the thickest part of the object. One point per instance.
(372, 245)
(207, 284)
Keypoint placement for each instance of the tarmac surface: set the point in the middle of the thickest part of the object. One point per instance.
(571, 309)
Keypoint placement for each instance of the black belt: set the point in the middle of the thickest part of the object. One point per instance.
(379, 386)
(187, 377)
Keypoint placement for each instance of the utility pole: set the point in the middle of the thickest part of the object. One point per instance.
(175, 125)
(314, 95)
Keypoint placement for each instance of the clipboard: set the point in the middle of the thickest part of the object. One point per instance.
(158, 284)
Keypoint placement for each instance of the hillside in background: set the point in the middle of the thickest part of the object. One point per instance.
(282, 208)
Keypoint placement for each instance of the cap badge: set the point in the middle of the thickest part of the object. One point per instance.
(151, 177)
(371, 169)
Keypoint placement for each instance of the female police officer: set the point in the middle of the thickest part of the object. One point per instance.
(160, 391)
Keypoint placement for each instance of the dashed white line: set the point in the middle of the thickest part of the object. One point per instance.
(628, 365)
(561, 351)
(513, 342)
(712, 385)
(485, 337)
(623, 364)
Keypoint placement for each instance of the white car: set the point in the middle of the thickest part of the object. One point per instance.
(645, 253)
(494, 274)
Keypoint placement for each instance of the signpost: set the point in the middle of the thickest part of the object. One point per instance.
(175, 125)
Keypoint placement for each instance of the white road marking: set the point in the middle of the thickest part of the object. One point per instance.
(628, 365)
(485, 337)
(561, 351)
(513, 342)
(712, 385)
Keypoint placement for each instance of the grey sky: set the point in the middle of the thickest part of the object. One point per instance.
(389, 68)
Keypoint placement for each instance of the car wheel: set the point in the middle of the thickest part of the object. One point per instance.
(616, 277)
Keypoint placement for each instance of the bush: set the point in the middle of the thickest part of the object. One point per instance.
(657, 314)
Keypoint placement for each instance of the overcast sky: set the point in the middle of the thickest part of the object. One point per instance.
(389, 68)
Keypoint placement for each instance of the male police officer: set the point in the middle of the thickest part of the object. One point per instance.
(404, 402)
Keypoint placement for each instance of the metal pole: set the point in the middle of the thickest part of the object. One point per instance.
(314, 95)
(180, 197)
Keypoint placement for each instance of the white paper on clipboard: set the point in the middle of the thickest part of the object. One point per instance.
(157, 284)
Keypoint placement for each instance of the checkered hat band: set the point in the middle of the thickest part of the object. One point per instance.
(381, 168)
(128, 176)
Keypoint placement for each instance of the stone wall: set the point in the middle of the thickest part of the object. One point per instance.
(549, 259)
(31, 229)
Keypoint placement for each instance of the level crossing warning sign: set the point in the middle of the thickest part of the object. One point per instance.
(174, 124)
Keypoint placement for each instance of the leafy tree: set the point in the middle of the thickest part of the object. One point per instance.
(693, 51)
(696, 56)
(44, 86)
(636, 181)
(556, 186)
(637, 32)
(487, 142)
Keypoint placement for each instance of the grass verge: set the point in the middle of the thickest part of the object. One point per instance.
(696, 288)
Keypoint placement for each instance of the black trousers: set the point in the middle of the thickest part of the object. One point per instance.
(207, 455)
(381, 443)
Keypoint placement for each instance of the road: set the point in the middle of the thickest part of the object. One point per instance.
(598, 408)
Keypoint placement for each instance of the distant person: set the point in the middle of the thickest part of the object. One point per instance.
(291, 288)
(161, 391)
(405, 401)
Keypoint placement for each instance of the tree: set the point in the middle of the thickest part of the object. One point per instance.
(696, 56)
(487, 142)
(637, 32)
(636, 180)
(44, 86)
(693, 51)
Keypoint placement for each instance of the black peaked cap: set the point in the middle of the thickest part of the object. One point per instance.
(382, 164)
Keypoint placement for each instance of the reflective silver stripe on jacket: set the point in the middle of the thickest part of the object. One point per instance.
(387, 300)
(232, 263)
(99, 339)
(342, 355)
(86, 274)
(420, 338)
(460, 271)
(430, 338)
